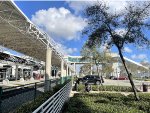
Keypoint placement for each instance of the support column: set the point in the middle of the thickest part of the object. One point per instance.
(21, 75)
(67, 70)
(62, 71)
(91, 69)
(31, 73)
(74, 69)
(48, 69)
(16, 72)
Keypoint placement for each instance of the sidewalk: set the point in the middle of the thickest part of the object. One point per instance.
(18, 83)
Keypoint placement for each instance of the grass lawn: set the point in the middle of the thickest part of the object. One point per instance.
(107, 103)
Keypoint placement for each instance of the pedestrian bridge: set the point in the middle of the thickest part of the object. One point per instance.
(78, 60)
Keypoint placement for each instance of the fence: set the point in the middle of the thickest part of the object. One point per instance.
(55, 103)
(13, 97)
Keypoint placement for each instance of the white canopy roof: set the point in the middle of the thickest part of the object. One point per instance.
(18, 33)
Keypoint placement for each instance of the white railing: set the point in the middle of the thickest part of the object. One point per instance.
(55, 103)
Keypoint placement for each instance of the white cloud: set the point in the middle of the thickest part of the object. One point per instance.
(65, 50)
(59, 23)
(139, 57)
(79, 6)
(120, 31)
(115, 6)
(128, 50)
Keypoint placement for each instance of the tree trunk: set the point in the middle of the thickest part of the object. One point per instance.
(129, 75)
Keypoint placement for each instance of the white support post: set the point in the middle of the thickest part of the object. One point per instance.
(67, 70)
(31, 74)
(91, 69)
(22, 73)
(74, 69)
(48, 69)
(62, 68)
(63, 72)
(70, 72)
(16, 72)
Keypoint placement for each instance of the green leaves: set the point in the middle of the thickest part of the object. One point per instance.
(103, 24)
(107, 103)
(32, 105)
(106, 88)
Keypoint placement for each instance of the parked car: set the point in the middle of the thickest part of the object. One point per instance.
(121, 77)
(95, 79)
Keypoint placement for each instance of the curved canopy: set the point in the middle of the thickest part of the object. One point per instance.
(18, 33)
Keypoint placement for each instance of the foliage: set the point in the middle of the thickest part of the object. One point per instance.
(96, 57)
(107, 103)
(81, 88)
(32, 105)
(118, 29)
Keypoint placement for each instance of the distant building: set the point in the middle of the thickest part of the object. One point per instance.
(118, 69)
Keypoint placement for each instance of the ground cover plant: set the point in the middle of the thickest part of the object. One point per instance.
(81, 88)
(29, 107)
(118, 29)
(108, 103)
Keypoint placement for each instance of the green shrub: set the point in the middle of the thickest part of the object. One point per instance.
(32, 105)
(81, 88)
(147, 80)
(106, 103)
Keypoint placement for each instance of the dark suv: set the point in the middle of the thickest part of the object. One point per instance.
(91, 79)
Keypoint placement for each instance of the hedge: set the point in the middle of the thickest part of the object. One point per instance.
(29, 107)
(81, 88)
(107, 103)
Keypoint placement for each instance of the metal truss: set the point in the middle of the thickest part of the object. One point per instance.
(12, 17)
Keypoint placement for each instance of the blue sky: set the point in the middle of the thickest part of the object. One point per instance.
(66, 28)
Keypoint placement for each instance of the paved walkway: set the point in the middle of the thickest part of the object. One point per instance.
(18, 83)
(138, 84)
(123, 82)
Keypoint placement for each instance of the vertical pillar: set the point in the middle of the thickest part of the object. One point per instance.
(48, 69)
(62, 71)
(70, 72)
(67, 70)
(21, 75)
(91, 69)
(74, 69)
(21, 72)
(31, 73)
(16, 72)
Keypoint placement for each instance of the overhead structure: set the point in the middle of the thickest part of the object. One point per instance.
(18, 33)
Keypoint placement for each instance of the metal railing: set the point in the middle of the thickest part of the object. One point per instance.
(13, 97)
(55, 103)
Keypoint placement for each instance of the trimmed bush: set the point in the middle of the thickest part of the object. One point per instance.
(107, 103)
(81, 88)
(32, 105)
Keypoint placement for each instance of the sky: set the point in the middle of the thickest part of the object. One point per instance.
(63, 21)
